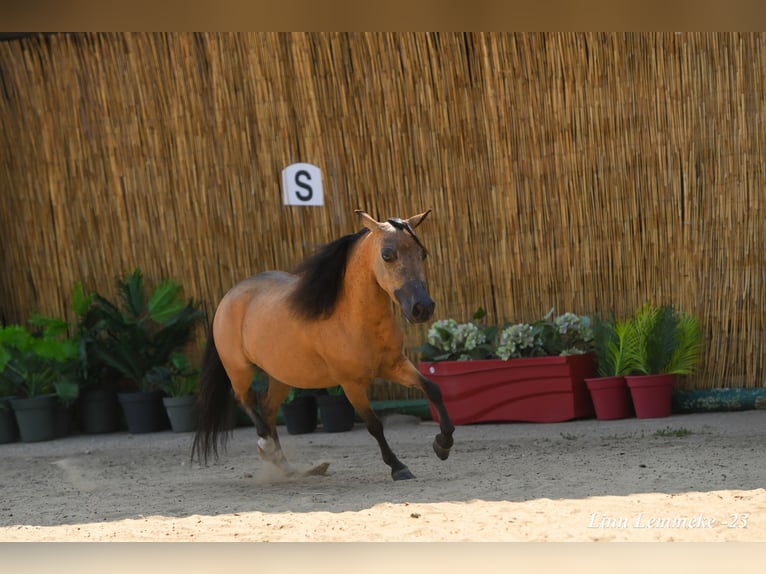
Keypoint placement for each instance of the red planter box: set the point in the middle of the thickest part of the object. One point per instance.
(537, 389)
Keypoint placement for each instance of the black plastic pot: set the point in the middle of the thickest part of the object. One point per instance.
(99, 411)
(36, 417)
(300, 414)
(9, 431)
(144, 411)
(336, 412)
(181, 412)
(63, 420)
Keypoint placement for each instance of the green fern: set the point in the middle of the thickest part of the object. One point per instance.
(662, 340)
(623, 348)
(665, 341)
(687, 354)
(640, 329)
(614, 346)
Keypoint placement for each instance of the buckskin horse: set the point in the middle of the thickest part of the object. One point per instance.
(329, 323)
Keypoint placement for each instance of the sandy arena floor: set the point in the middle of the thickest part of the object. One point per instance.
(693, 477)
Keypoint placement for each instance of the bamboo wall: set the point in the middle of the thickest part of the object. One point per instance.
(582, 171)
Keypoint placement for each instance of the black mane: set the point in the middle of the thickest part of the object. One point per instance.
(321, 277)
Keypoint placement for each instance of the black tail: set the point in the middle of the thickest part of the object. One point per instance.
(214, 402)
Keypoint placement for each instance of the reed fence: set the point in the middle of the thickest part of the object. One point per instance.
(585, 172)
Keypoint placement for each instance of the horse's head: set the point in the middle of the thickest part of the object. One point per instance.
(397, 262)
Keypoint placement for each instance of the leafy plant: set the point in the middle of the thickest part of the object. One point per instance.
(614, 346)
(43, 361)
(336, 390)
(140, 333)
(295, 393)
(449, 340)
(665, 341)
(89, 327)
(178, 378)
(89, 370)
(688, 352)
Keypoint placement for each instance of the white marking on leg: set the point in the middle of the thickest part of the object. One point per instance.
(266, 445)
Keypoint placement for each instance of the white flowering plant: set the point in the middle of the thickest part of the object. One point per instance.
(449, 340)
(567, 334)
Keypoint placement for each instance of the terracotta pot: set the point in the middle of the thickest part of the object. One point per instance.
(611, 397)
(652, 395)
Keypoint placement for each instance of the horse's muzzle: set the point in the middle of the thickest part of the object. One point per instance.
(415, 301)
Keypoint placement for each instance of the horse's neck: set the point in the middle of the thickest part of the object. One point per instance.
(364, 304)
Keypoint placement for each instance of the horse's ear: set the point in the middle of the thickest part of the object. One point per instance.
(416, 220)
(368, 221)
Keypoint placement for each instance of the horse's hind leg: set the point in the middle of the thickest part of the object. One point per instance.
(269, 447)
(265, 421)
(357, 394)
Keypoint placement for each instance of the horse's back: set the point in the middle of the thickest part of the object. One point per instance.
(263, 289)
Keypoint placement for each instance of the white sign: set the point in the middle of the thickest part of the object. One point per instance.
(302, 185)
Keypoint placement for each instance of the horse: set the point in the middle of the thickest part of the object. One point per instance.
(330, 322)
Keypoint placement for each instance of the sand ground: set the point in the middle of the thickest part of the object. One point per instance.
(697, 477)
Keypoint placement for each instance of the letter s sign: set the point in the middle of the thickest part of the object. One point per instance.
(302, 185)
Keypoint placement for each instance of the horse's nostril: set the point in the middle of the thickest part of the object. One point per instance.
(422, 312)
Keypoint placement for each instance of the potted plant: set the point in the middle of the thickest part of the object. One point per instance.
(335, 410)
(66, 385)
(178, 380)
(37, 365)
(98, 409)
(667, 343)
(138, 334)
(613, 344)
(300, 411)
(9, 431)
(535, 372)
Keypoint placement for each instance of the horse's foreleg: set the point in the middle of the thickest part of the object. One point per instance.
(357, 394)
(406, 374)
(443, 441)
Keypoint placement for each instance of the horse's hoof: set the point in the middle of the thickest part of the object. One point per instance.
(402, 474)
(440, 451)
(318, 470)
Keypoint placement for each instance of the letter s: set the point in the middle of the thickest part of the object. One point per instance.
(303, 185)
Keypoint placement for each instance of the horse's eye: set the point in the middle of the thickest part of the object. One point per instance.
(388, 254)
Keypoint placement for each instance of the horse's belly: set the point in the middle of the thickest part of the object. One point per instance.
(307, 356)
(288, 359)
